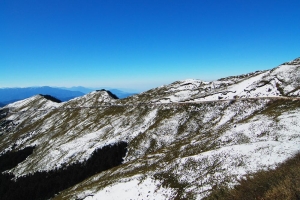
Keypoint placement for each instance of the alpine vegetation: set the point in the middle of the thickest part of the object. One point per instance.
(187, 140)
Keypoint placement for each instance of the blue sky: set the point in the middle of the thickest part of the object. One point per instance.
(142, 44)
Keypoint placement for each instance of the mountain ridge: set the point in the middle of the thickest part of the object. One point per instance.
(10, 95)
(182, 138)
(259, 83)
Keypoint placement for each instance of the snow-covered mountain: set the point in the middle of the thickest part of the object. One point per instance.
(118, 92)
(181, 139)
(280, 81)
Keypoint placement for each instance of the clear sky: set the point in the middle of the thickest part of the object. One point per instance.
(142, 44)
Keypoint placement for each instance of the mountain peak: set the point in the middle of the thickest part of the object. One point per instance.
(36, 102)
(51, 98)
(112, 95)
(92, 99)
(293, 62)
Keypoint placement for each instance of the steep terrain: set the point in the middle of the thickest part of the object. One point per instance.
(182, 139)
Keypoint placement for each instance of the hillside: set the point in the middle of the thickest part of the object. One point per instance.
(181, 140)
(280, 81)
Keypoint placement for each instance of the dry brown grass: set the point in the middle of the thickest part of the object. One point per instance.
(280, 183)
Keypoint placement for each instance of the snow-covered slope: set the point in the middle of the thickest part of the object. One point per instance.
(175, 150)
(19, 115)
(186, 151)
(35, 102)
(281, 81)
(91, 99)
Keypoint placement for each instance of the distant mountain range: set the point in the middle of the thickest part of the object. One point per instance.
(10, 95)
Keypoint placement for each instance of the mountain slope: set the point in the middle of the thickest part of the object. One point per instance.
(175, 150)
(186, 153)
(280, 81)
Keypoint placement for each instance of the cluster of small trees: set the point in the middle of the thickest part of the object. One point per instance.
(11, 159)
(44, 185)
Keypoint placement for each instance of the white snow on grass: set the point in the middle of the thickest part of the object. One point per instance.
(231, 162)
(242, 142)
(269, 83)
(243, 149)
(22, 103)
(135, 189)
(91, 99)
(69, 147)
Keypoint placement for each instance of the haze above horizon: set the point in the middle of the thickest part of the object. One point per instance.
(142, 44)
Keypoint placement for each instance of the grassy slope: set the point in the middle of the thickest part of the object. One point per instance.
(176, 132)
(162, 161)
(280, 183)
